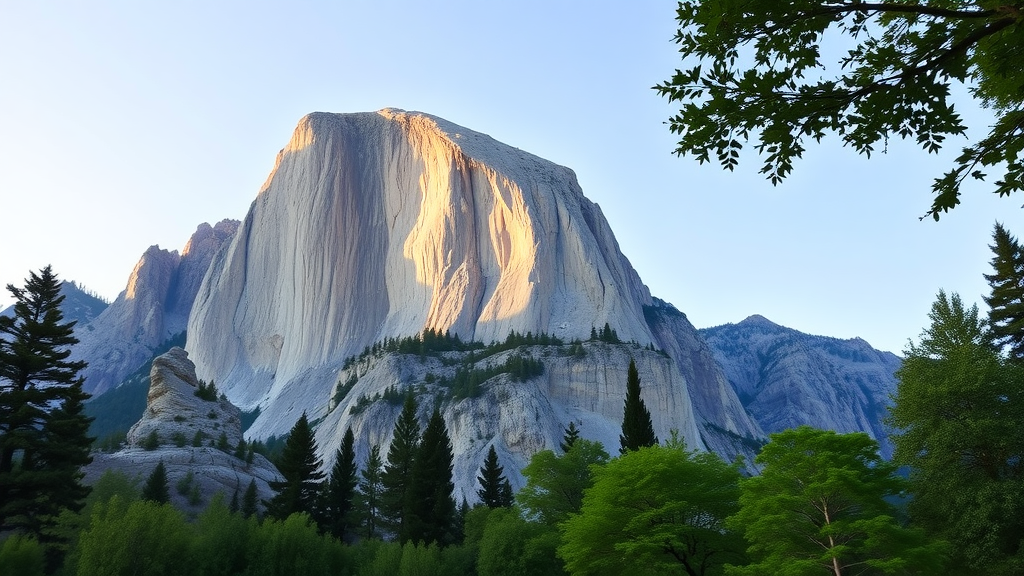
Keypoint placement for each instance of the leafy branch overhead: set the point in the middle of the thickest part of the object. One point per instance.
(753, 73)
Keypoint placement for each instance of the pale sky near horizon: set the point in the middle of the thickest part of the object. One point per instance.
(127, 124)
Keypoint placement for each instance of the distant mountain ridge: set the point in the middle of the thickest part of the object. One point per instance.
(785, 378)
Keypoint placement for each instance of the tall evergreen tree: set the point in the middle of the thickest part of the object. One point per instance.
(1006, 302)
(250, 500)
(495, 490)
(43, 430)
(637, 429)
(371, 488)
(433, 502)
(339, 490)
(572, 434)
(156, 489)
(396, 499)
(300, 467)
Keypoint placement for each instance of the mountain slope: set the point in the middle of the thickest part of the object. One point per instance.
(786, 378)
(154, 306)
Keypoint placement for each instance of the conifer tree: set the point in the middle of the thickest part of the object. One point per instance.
(340, 489)
(396, 499)
(371, 488)
(250, 500)
(1006, 302)
(637, 429)
(433, 502)
(156, 489)
(572, 433)
(495, 490)
(300, 467)
(43, 428)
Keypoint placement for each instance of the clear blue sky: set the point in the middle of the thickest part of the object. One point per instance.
(126, 124)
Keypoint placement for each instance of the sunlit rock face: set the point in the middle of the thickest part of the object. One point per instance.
(154, 306)
(380, 225)
(786, 378)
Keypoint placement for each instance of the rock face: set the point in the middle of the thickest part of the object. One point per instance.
(381, 225)
(176, 415)
(786, 378)
(154, 307)
(584, 384)
(173, 407)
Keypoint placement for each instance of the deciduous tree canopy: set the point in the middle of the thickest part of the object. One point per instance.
(753, 71)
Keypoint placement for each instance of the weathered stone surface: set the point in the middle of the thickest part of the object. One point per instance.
(173, 410)
(786, 378)
(154, 306)
(518, 418)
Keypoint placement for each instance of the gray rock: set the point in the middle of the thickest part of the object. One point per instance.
(154, 306)
(173, 409)
(786, 378)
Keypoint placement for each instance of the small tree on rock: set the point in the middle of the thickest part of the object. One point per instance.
(156, 489)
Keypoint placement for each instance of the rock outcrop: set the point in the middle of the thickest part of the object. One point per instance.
(175, 406)
(177, 417)
(786, 378)
(153, 307)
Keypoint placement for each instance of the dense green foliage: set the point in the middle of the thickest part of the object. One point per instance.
(300, 466)
(43, 427)
(555, 484)
(1006, 301)
(754, 71)
(655, 510)
(822, 505)
(637, 429)
(957, 414)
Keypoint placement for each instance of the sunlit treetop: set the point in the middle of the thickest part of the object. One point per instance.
(753, 73)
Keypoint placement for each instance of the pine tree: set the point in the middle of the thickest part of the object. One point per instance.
(396, 499)
(43, 428)
(495, 490)
(433, 502)
(637, 429)
(300, 467)
(156, 489)
(369, 496)
(572, 433)
(250, 500)
(1006, 303)
(339, 490)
